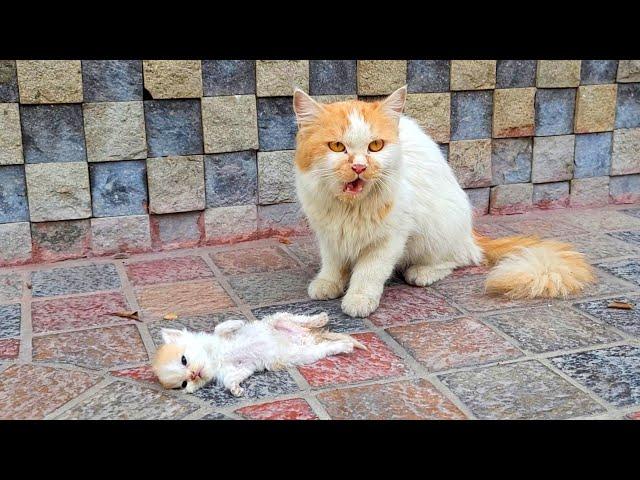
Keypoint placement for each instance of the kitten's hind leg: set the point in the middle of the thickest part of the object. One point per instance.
(423, 275)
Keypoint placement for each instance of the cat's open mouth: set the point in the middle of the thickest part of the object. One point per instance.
(354, 187)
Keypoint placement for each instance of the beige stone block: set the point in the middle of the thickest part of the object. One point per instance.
(381, 77)
(229, 123)
(514, 112)
(595, 108)
(432, 111)
(50, 81)
(473, 74)
(278, 78)
(558, 73)
(173, 78)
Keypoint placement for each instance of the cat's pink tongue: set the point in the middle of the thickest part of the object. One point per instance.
(355, 186)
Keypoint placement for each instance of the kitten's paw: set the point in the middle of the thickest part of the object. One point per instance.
(359, 305)
(237, 391)
(321, 289)
(191, 387)
(422, 275)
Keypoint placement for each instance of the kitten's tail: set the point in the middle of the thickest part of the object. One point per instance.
(527, 267)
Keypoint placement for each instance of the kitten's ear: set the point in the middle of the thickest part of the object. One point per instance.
(170, 335)
(394, 103)
(306, 108)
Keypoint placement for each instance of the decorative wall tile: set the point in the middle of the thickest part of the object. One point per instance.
(50, 81)
(177, 230)
(10, 134)
(516, 73)
(551, 195)
(625, 189)
(381, 77)
(173, 127)
(595, 108)
(13, 194)
(173, 78)
(558, 73)
(473, 74)
(281, 219)
(590, 192)
(471, 162)
(54, 241)
(626, 145)
(513, 112)
(598, 71)
(628, 106)
(427, 76)
(628, 71)
(112, 80)
(226, 224)
(228, 77)
(511, 198)
(176, 184)
(511, 160)
(552, 158)
(479, 198)
(555, 111)
(229, 123)
(231, 179)
(331, 77)
(276, 177)
(8, 81)
(120, 234)
(276, 123)
(432, 111)
(278, 78)
(593, 155)
(471, 114)
(15, 242)
(118, 188)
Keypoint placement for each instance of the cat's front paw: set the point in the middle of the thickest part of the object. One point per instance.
(237, 391)
(359, 304)
(321, 289)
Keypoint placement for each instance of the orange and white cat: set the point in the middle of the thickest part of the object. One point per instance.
(379, 195)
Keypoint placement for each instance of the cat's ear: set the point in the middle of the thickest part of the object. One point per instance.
(394, 103)
(306, 108)
(170, 335)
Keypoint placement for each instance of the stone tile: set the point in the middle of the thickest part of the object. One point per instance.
(628, 71)
(112, 80)
(258, 386)
(53, 133)
(381, 77)
(558, 73)
(332, 77)
(8, 81)
(378, 362)
(13, 194)
(511, 160)
(173, 127)
(612, 373)
(253, 260)
(167, 270)
(98, 348)
(603, 220)
(173, 78)
(177, 230)
(126, 401)
(197, 323)
(405, 400)
(10, 321)
(10, 287)
(183, 299)
(114, 131)
(10, 134)
(626, 320)
(58, 191)
(589, 192)
(511, 198)
(595, 108)
(77, 312)
(513, 112)
(120, 234)
(473, 74)
(553, 158)
(593, 155)
(294, 409)
(176, 184)
(426, 76)
(55, 241)
(278, 78)
(479, 198)
(597, 246)
(15, 243)
(628, 270)
(215, 416)
(628, 106)
(228, 77)
(471, 114)
(70, 280)
(276, 123)
(50, 81)
(452, 344)
(432, 111)
(230, 224)
(525, 390)
(229, 123)
(118, 188)
(276, 177)
(33, 391)
(142, 374)
(471, 162)
(281, 219)
(595, 72)
(545, 227)
(634, 416)
(231, 179)
(555, 111)
(634, 212)
(489, 228)
(626, 144)
(516, 73)
(9, 349)
(625, 189)
(307, 251)
(271, 287)
(605, 284)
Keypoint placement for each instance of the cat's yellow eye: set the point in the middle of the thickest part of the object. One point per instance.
(376, 145)
(337, 146)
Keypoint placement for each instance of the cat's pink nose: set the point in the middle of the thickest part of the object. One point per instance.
(358, 168)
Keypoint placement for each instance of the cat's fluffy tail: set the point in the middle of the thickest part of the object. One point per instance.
(527, 267)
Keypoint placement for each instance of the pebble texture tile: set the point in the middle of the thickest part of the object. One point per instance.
(555, 111)
(168, 270)
(511, 160)
(276, 177)
(53, 241)
(228, 77)
(231, 179)
(69, 280)
(516, 73)
(426, 76)
(593, 155)
(278, 78)
(173, 127)
(271, 287)
(112, 80)
(473, 74)
(294, 409)
(253, 260)
(471, 114)
(628, 106)
(50, 81)
(276, 123)
(118, 188)
(173, 78)
(13, 194)
(381, 77)
(332, 77)
(10, 135)
(8, 81)
(594, 72)
(10, 287)
(10, 321)
(176, 184)
(229, 123)
(625, 320)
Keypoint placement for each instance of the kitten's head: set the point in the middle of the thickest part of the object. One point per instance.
(349, 149)
(182, 362)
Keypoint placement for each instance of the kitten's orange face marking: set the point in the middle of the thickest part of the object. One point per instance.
(167, 354)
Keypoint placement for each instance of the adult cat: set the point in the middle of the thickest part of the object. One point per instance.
(379, 195)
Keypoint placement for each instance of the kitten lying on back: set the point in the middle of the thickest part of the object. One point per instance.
(237, 349)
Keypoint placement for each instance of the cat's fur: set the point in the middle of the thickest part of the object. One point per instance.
(406, 210)
(237, 349)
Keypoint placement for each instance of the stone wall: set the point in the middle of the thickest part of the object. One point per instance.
(98, 157)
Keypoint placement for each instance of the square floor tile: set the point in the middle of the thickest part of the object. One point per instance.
(253, 260)
(632, 237)
(626, 320)
(65, 281)
(602, 246)
(9, 349)
(602, 220)
(307, 251)
(544, 227)
(143, 374)
(626, 269)
(10, 287)
(168, 270)
(294, 409)
(195, 323)
(10, 320)
(271, 287)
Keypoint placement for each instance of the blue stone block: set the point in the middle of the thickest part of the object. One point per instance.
(13, 194)
(276, 123)
(118, 188)
(516, 73)
(332, 77)
(228, 77)
(626, 187)
(8, 81)
(511, 160)
(471, 115)
(628, 105)
(425, 76)
(52, 133)
(593, 155)
(112, 80)
(10, 321)
(594, 72)
(554, 111)
(174, 127)
(231, 179)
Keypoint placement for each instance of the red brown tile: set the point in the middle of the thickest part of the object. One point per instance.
(143, 374)
(294, 409)
(253, 260)
(9, 348)
(168, 270)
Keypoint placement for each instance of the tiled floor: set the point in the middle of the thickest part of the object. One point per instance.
(447, 351)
